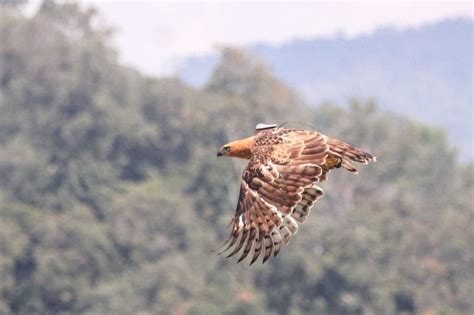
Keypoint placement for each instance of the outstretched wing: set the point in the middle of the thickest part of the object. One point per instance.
(277, 190)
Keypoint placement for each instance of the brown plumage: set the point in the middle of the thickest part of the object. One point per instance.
(278, 185)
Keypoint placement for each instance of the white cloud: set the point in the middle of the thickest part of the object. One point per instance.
(153, 36)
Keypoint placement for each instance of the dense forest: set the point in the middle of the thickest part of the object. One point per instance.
(112, 198)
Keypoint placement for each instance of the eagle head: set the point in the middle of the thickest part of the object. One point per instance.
(239, 148)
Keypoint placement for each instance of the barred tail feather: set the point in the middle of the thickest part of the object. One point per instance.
(348, 151)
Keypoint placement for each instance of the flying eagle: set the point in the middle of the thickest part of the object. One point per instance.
(278, 185)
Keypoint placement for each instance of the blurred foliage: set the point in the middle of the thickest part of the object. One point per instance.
(111, 197)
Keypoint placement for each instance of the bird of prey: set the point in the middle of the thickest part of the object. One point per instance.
(278, 186)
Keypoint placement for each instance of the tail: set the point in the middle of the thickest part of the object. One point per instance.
(346, 153)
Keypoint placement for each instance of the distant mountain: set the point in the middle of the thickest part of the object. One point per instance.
(425, 72)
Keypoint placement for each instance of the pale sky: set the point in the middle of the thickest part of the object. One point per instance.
(155, 35)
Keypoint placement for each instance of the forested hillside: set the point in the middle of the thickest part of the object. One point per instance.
(112, 198)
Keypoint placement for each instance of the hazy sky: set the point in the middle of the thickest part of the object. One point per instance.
(154, 36)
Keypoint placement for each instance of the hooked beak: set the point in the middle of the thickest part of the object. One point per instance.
(223, 151)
